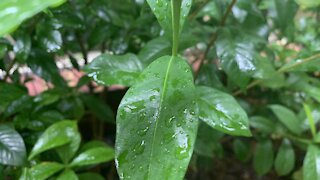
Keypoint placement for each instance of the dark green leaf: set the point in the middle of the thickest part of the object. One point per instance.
(56, 135)
(311, 163)
(242, 150)
(99, 108)
(109, 69)
(90, 176)
(288, 118)
(284, 162)
(308, 3)
(262, 124)
(157, 122)
(14, 12)
(12, 148)
(22, 46)
(71, 107)
(154, 49)
(222, 112)
(9, 93)
(263, 157)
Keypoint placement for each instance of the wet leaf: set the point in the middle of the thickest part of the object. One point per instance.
(162, 10)
(92, 156)
(222, 112)
(109, 69)
(44, 170)
(157, 122)
(12, 148)
(15, 12)
(56, 135)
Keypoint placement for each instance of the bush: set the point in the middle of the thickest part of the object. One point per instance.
(203, 89)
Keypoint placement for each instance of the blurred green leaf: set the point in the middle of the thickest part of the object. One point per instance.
(90, 176)
(263, 157)
(242, 150)
(99, 108)
(311, 163)
(68, 175)
(288, 118)
(15, 12)
(285, 159)
(262, 124)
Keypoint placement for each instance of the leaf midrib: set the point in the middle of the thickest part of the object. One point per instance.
(164, 87)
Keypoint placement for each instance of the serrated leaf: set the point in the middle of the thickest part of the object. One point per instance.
(12, 148)
(109, 69)
(311, 163)
(157, 122)
(56, 135)
(93, 156)
(263, 157)
(163, 12)
(68, 175)
(15, 12)
(288, 118)
(44, 170)
(222, 112)
(285, 159)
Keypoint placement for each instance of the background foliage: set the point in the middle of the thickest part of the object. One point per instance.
(253, 61)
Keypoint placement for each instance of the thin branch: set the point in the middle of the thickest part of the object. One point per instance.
(281, 70)
(214, 36)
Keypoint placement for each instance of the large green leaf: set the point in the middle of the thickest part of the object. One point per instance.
(263, 157)
(284, 162)
(14, 12)
(93, 156)
(288, 118)
(12, 149)
(311, 163)
(56, 135)
(44, 170)
(109, 69)
(222, 112)
(157, 122)
(163, 12)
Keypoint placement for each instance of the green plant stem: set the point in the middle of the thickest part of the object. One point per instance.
(310, 119)
(214, 36)
(281, 70)
(176, 6)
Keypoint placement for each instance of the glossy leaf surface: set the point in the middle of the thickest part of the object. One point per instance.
(14, 12)
(56, 135)
(93, 156)
(157, 122)
(109, 69)
(311, 163)
(222, 112)
(285, 159)
(163, 12)
(12, 148)
(44, 170)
